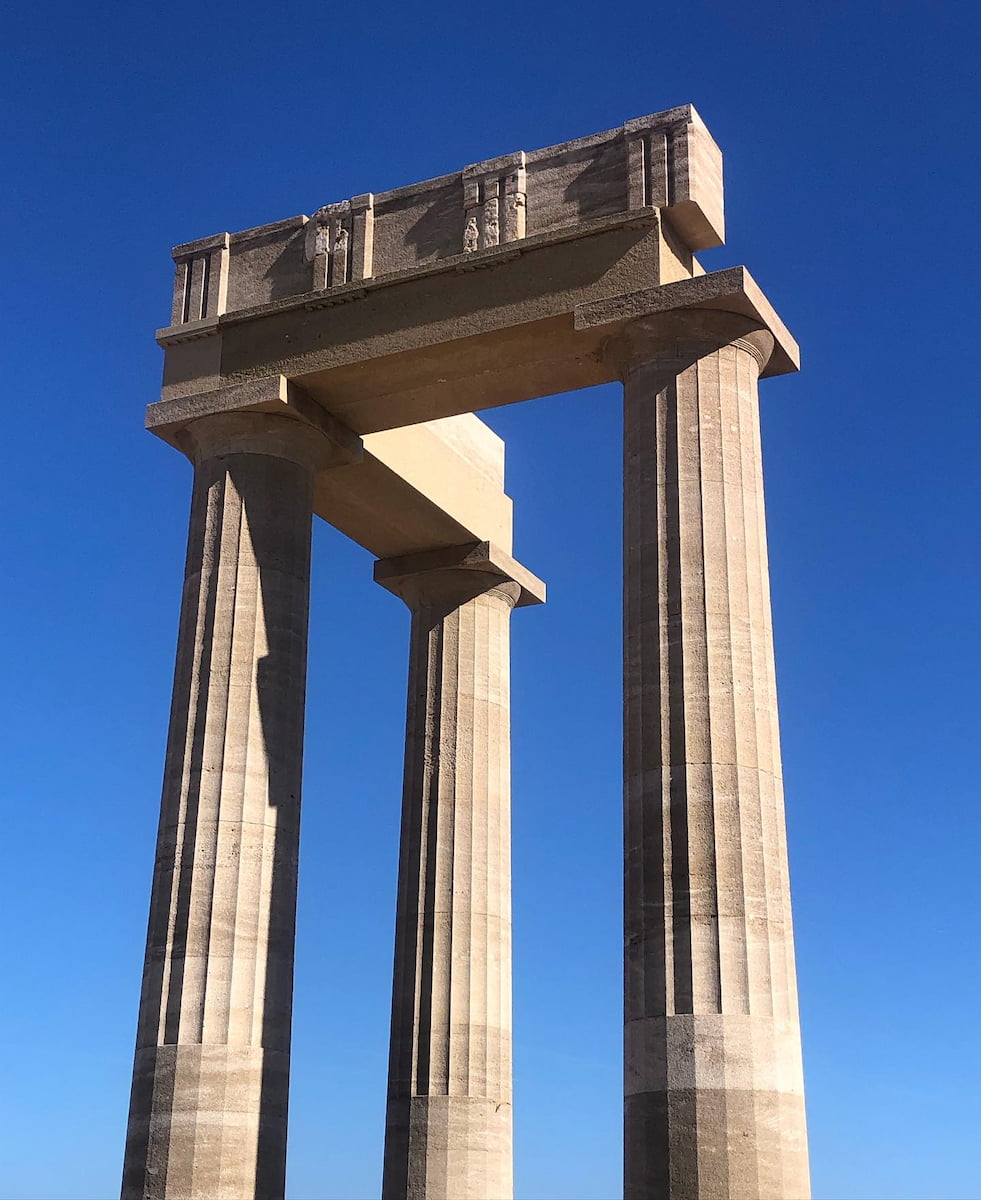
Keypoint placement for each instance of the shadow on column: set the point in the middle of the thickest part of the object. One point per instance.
(281, 544)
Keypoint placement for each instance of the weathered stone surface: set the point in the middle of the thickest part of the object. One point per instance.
(666, 160)
(208, 1110)
(523, 325)
(448, 1129)
(399, 491)
(335, 364)
(713, 1078)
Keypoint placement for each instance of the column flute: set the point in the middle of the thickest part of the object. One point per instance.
(713, 1078)
(448, 1129)
(210, 1083)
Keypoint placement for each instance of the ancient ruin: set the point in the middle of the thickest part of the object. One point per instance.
(333, 365)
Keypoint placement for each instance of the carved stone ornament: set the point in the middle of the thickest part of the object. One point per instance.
(471, 236)
(317, 239)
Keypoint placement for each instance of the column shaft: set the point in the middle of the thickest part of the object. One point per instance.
(448, 1131)
(713, 1077)
(208, 1108)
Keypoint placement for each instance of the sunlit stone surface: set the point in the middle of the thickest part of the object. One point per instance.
(333, 365)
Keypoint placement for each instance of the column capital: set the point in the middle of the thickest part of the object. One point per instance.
(456, 574)
(267, 434)
(200, 424)
(677, 339)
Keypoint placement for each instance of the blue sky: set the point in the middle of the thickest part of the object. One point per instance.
(850, 137)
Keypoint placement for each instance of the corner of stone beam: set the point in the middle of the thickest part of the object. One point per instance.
(731, 290)
(274, 394)
(474, 556)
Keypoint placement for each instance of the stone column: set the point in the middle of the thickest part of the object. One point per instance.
(713, 1078)
(448, 1129)
(208, 1109)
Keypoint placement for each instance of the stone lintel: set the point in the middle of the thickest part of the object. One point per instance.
(665, 161)
(534, 325)
(489, 257)
(476, 556)
(429, 346)
(422, 487)
(273, 394)
(732, 290)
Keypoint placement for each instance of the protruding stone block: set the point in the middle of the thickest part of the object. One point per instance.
(675, 164)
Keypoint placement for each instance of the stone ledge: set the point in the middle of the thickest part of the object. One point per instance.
(732, 290)
(476, 556)
(492, 256)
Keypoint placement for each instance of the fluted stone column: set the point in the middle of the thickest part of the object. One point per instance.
(448, 1129)
(714, 1087)
(208, 1108)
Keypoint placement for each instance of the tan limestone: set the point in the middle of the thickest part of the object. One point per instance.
(208, 1110)
(713, 1079)
(439, 483)
(336, 362)
(448, 1129)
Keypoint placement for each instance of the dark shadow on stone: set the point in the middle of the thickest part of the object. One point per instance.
(184, 880)
(152, 1090)
(678, 767)
(411, 960)
(644, 928)
(280, 528)
(438, 233)
(647, 1146)
(289, 274)
(600, 188)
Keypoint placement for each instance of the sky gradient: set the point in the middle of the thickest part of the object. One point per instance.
(849, 132)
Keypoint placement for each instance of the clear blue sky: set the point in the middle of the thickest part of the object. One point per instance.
(850, 136)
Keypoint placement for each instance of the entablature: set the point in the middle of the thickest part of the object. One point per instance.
(666, 161)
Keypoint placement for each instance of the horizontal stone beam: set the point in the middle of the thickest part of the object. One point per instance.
(421, 488)
(665, 161)
(516, 324)
(397, 492)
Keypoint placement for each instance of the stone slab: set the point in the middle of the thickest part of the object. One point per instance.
(480, 556)
(731, 290)
(529, 326)
(400, 491)
(665, 160)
